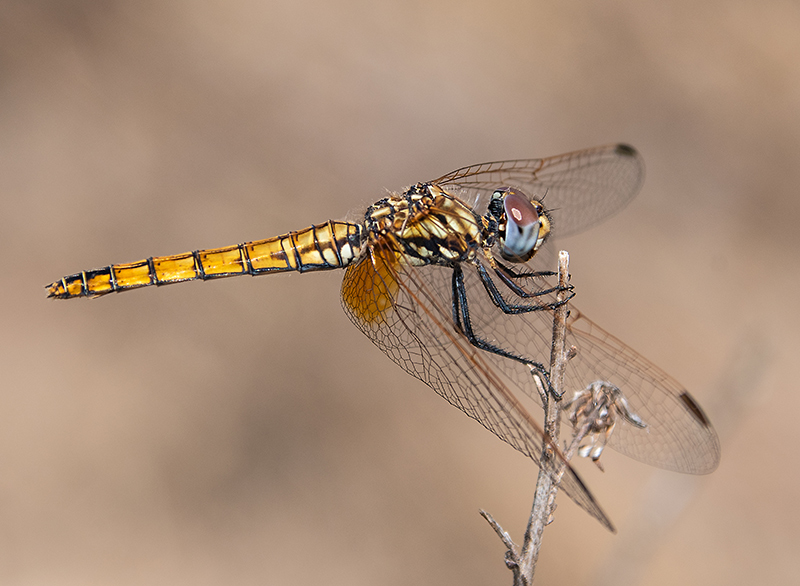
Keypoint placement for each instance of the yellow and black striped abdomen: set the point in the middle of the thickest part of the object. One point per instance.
(331, 245)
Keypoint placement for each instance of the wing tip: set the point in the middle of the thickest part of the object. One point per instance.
(626, 150)
(694, 409)
(588, 502)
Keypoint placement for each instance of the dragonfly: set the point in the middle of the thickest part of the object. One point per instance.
(449, 279)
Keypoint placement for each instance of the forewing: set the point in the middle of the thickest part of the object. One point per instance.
(406, 312)
(579, 189)
(678, 436)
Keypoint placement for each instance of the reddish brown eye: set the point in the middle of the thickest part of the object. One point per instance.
(522, 225)
(519, 209)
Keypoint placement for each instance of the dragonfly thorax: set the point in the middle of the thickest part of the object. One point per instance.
(427, 225)
(522, 224)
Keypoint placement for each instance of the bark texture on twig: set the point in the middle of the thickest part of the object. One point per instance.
(522, 561)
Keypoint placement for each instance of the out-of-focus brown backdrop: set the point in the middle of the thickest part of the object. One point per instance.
(242, 431)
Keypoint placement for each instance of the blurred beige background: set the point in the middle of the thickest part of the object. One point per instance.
(242, 431)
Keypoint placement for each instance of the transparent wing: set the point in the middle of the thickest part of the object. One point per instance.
(406, 312)
(678, 436)
(579, 188)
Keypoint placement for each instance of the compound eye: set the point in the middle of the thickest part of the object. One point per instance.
(519, 209)
(523, 223)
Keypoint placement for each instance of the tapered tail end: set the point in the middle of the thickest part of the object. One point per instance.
(70, 288)
(57, 290)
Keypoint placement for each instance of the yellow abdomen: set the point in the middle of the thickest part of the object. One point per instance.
(331, 245)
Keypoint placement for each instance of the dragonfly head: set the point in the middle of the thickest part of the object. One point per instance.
(522, 223)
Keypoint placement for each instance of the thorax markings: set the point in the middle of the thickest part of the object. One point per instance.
(427, 224)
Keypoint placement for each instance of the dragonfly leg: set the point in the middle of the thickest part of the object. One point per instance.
(512, 308)
(463, 323)
(509, 277)
(521, 274)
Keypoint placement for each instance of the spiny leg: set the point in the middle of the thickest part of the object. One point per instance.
(519, 274)
(508, 275)
(463, 322)
(511, 308)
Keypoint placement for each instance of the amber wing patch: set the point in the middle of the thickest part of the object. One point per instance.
(371, 285)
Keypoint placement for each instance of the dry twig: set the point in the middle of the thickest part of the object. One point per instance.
(522, 562)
